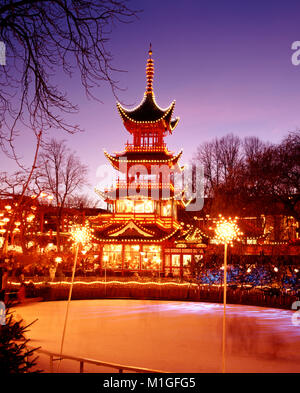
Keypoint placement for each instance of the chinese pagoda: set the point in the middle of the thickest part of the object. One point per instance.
(141, 232)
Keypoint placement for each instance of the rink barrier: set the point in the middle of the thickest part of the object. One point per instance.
(154, 290)
(53, 357)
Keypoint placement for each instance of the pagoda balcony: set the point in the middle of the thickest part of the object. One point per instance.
(130, 147)
(139, 184)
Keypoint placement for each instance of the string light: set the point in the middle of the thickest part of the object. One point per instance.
(123, 161)
(111, 282)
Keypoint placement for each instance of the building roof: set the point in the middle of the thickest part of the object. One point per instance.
(133, 158)
(148, 112)
(133, 231)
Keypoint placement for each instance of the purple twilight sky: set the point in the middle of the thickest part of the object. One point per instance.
(227, 64)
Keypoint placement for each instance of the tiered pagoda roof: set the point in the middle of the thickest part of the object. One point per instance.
(133, 230)
(139, 157)
(148, 114)
(141, 190)
(148, 123)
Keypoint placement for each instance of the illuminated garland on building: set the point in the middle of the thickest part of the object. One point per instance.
(134, 240)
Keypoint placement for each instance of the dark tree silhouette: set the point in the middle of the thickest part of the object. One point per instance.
(15, 356)
(42, 38)
(273, 174)
(222, 160)
(61, 174)
(250, 174)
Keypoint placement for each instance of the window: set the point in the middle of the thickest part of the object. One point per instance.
(125, 206)
(166, 209)
(187, 259)
(151, 258)
(112, 256)
(132, 257)
(175, 260)
(146, 206)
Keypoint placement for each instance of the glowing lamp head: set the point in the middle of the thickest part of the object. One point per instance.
(81, 234)
(226, 231)
(58, 259)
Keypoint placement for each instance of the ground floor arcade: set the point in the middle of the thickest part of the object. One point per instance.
(166, 260)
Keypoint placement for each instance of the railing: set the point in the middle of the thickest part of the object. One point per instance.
(129, 147)
(120, 367)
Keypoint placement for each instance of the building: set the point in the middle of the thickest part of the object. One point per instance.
(147, 229)
(141, 233)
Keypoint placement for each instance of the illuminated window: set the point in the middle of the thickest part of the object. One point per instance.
(125, 206)
(132, 257)
(166, 209)
(144, 206)
(176, 260)
(112, 256)
(151, 258)
(129, 206)
(187, 259)
(167, 260)
(186, 263)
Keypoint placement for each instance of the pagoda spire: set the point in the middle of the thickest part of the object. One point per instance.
(150, 72)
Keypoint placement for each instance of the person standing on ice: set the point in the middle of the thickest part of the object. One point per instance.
(52, 271)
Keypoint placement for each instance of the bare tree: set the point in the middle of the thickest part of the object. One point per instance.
(253, 147)
(273, 173)
(252, 175)
(43, 38)
(82, 201)
(18, 185)
(222, 159)
(61, 174)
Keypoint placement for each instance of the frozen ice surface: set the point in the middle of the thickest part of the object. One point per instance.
(171, 336)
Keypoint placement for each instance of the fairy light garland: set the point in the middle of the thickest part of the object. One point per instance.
(104, 240)
(106, 283)
(167, 112)
(117, 159)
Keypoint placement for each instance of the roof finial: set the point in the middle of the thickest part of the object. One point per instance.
(150, 71)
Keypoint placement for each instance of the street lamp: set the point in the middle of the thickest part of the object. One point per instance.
(225, 232)
(81, 236)
(58, 260)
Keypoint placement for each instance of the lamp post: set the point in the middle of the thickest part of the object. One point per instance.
(81, 236)
(225, 232)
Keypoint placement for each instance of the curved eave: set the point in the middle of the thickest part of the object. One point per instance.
(142, 240)
(130, 115)
(101, 194)
(173, 123)
(116, 160)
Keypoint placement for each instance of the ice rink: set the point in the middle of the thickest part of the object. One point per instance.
(171, 336)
